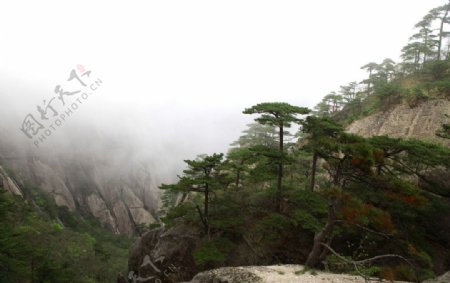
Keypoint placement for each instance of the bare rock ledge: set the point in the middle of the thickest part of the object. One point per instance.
(274, 274)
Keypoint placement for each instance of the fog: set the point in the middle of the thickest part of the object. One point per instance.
(176, 75)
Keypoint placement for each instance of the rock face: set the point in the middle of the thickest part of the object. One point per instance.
(404, 121)
(444, 278)
(273, 274)
(8, 184)
(118, 187)
(165, 255)
(119, 201)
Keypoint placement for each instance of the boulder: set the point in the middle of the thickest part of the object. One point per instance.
(164, 254)
(403, 121)
(274, 274)
(444, 278)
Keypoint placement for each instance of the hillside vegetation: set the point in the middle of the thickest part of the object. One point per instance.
(41, 242)
(322, 197)
(372, 206)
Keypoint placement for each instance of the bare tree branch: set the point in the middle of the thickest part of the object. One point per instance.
(361, 262)
(385, 235)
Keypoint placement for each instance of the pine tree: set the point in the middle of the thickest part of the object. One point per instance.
(281, 115)
(361, 170)
(348, 92)
(411, 55)
(334, 101)
(441, 14)
(371, 68)
(386, 70)
(239, 160)
(426, 38)
(203, 175)
(321, 135)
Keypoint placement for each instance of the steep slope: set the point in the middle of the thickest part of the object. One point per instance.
(404, 121)
(118, 189)
(9, 184)
(117, 203)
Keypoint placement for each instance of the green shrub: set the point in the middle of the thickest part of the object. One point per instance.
(212, 252)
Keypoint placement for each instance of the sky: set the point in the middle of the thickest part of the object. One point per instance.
(176, 75)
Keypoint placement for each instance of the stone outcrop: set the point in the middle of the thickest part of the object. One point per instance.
(444, 278)
(51, 182)
(274, 274)
(164, 254)
(117, 200)
(119, 190)
(8, 184)
(404, 121)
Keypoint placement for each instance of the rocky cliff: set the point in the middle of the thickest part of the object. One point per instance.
(404, 121)
(119, 203)
(107, 179)
(166, 254)
(8, 184)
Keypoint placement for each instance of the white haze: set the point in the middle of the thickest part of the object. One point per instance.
(177, 74)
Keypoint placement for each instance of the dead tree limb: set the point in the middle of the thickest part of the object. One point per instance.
(385, 235)
(356, 263)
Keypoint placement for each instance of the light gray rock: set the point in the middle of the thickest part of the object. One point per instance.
(121, 196)
(444, 278)
(165, 254)
(404, 121)
(9, 184)
(273, 274)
